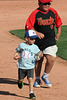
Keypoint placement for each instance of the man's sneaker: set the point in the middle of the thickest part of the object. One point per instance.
(20, 84)
(37, 83)
(47, 82)
(32, 96)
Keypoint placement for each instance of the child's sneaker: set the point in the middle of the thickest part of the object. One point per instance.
(20, 84)
(47, 82)
(32, 96)
(37, 83)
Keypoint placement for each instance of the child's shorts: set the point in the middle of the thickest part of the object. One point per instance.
(52, 50)
(22, 73)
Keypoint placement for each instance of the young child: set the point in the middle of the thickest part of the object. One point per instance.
(26, 54)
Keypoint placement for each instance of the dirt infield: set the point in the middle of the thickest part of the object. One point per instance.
(13, 15)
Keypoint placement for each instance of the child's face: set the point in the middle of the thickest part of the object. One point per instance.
(30, 40)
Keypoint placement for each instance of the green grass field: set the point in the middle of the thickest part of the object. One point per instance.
(62, 43)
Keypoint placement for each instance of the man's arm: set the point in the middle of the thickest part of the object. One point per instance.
(58, 33)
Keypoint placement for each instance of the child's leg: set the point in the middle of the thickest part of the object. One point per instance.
(30, 74)
(20, 83)
(30, 85)
(21, 75)
(32, 96)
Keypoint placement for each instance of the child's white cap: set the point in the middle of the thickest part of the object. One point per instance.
(31, 33)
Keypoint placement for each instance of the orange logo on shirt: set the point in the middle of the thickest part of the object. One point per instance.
(46, 22)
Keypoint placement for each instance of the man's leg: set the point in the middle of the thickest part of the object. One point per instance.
(49, 63)
(48, 66)
(38, 66)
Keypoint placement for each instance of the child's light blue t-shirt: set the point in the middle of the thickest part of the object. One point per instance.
(27, 53)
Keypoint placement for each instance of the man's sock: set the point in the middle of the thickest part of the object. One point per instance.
(38, 77)
(45, 75)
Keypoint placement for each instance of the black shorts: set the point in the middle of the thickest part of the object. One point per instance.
(22, 73)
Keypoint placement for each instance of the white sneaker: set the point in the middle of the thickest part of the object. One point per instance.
(47, 82)
(37, 83)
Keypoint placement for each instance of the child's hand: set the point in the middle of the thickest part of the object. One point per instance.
(17, 56)
(38, 56)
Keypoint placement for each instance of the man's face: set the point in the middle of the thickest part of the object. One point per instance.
(44, 6)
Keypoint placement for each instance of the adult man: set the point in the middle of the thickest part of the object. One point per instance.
(43, 20)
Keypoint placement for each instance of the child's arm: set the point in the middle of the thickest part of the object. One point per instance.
(16, 56)
(39, 56)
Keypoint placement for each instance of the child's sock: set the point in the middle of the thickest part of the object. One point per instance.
(31, 92)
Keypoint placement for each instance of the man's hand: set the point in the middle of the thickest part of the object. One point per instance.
(57, 37)
(40, 35)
